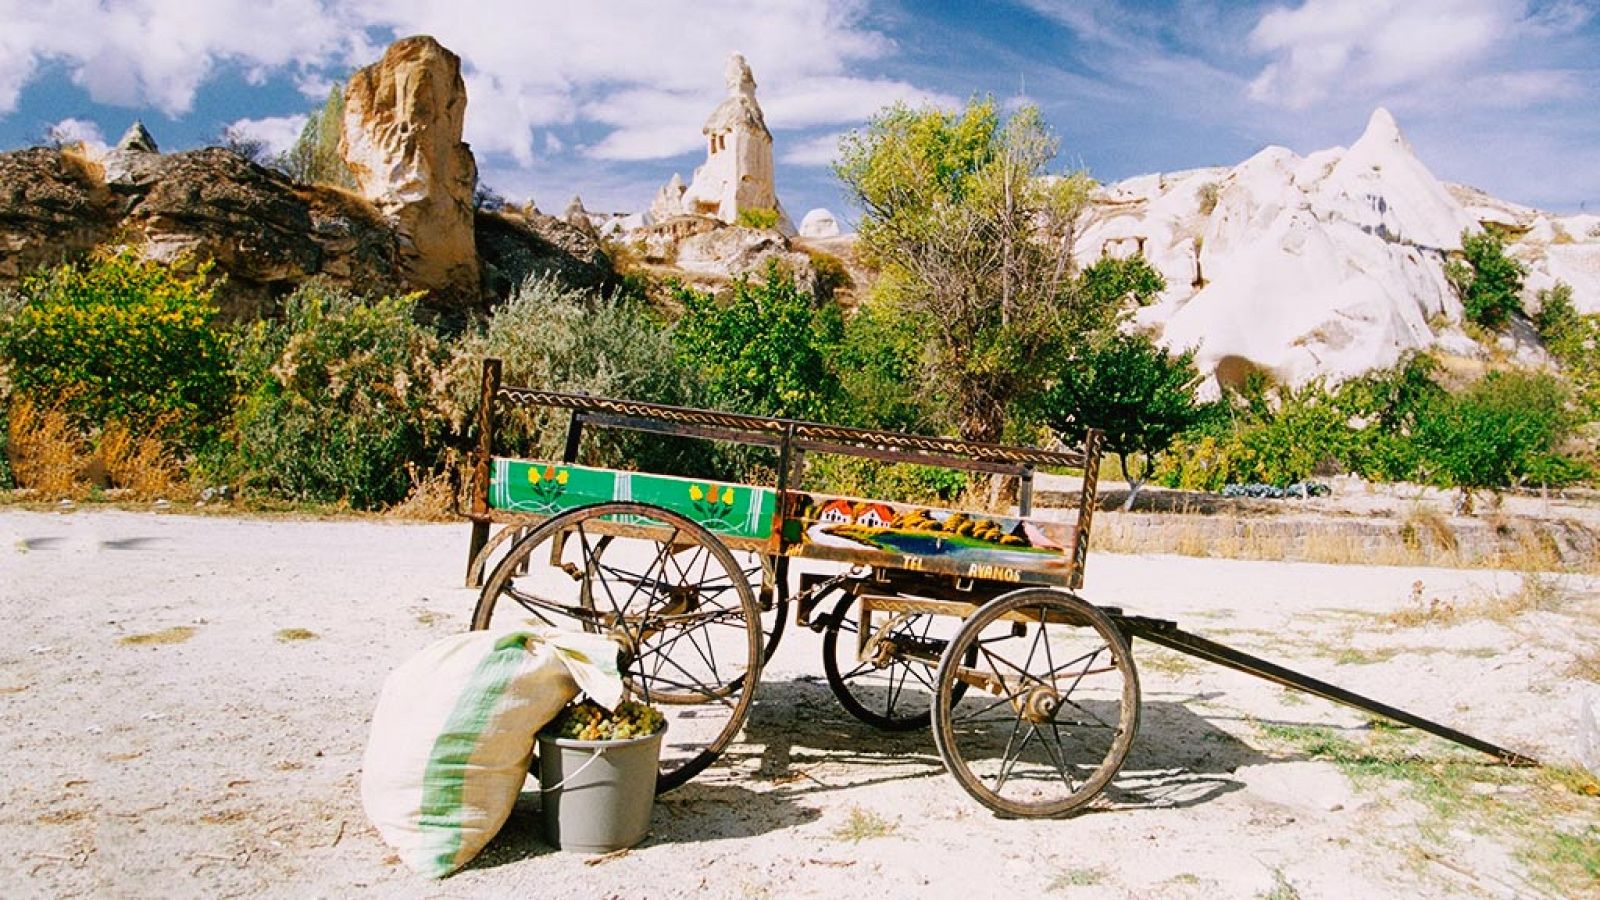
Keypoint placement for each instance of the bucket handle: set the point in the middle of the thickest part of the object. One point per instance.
(594, 755)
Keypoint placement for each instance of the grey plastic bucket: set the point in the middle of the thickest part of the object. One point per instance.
(597, 795)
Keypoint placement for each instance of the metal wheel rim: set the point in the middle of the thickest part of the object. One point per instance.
(1050, 768)
(675, 665)
(917, 679)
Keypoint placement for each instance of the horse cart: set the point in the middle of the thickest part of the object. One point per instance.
(964, 621)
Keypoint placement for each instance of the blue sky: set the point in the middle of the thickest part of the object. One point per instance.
(606, 99)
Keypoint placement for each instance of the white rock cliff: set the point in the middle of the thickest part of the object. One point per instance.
(1327, 265)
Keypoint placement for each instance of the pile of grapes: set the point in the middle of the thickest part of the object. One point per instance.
(588, 721)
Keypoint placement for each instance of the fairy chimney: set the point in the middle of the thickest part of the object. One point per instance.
(737, 174)
(401, 137)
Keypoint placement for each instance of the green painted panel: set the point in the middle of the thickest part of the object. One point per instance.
(545, 489)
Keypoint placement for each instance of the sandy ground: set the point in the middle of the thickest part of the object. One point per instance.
(225, 762)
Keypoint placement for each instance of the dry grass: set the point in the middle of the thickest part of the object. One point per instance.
(1537, 592)
(48, 456)
(140, 464)
(296, 634)
(864, 824)
(1586, 666)
(175, 635)
(436, 495)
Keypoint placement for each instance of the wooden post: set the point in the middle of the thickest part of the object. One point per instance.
(1092, 440)
(1025, 492)
(481, 464)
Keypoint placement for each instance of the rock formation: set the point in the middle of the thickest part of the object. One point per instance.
(1328, 265)
(737, 174)
(819, 223)
(53, 206)
(401, 138)
(669, 200)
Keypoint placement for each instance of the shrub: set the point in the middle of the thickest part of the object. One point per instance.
(758, 218)
(1208, 194)
(1262, 433)
(554, 337)
(900, 482)
(1501, 431)
(335, 398)
(124, 339)
(1487, 280)
(1573, 338)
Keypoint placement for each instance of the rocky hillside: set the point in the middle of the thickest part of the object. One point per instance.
(1325, 265)
(410, 227)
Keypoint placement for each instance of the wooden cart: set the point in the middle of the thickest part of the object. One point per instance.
(966, 621)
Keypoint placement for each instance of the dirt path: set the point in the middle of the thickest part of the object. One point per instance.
(184, 702)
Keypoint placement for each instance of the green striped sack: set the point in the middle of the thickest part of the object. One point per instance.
(454, 732)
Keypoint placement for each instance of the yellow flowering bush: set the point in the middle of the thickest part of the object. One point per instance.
(121, 338)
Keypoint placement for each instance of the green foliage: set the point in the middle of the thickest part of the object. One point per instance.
(336, 399)
(974, 248)
(1120, 284)
(879, 365)
(1262, 433)
(898, 482)
(1385, 406)
(766, 350)
(551, 336)
(758, 218)
(1573, 338)
(1140, 395)
(1488, 280)
(1504, 430)
(314, 158)
(123, 339)
(10, 305)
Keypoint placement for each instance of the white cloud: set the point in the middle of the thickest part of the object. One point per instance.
(276, 133)
(819, 151)
(1325, 47)
(76, 131)
(649, 70)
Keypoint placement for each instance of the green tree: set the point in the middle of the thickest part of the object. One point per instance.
(1487, 280)
(974, 246)
(121, 338)
(1503, 430)
(766, 350)
(314, 158)
(1139, 394)
(1573, 338)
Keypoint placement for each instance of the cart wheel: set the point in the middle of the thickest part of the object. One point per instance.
(672, 596)
(898, 694)
(1056, 707)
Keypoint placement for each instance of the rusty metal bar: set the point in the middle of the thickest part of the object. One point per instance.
(806, 432)
(1167, 634)
(1093, 440)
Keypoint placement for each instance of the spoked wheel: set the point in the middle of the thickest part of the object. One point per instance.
(671, 595)
(893, 688)
(1055, 709)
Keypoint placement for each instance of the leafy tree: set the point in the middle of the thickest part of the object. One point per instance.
(766, 350)
(1501, 431)
(1141, 395)
(1487, 279)
(121, 338)
(974, 246)
(314, 158)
